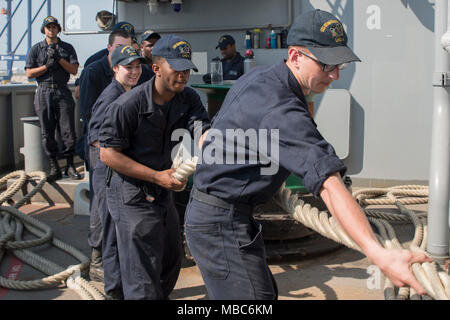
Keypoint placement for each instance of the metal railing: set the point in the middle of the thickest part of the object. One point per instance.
(11, 55)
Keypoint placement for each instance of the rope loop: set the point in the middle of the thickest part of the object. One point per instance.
(12, 223)
(435, 283)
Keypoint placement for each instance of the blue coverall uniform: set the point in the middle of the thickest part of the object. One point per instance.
(99, 207)
(96, 56)
(233, 69)
(147, 226)
(93, 86)
(53, 101)
(147, 74)
(222, 235)
(93, 80)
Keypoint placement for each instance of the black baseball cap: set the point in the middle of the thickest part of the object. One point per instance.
(128, 27)
(324, 36)
(124, 55)
(224, 41)
(177, 52)
(48, 20)
(149, 34)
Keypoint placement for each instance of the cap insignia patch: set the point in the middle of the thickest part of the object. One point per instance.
(129, 50)
(336, 30)
(184, 48)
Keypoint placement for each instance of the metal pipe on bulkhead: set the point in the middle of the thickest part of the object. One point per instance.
(438, 209)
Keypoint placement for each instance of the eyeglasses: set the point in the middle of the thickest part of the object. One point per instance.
(326, 67)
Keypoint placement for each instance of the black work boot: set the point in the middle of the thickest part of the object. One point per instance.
(96, 272)
(55, 171)
(70, 169)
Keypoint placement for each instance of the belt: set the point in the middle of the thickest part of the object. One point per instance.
(53, 85)
(218, 202)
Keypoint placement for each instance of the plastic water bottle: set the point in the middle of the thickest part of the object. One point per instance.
(273, 39)
(248, 40)
(256, 38)
(249, 62)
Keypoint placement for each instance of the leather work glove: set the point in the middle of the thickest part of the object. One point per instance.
(51, 64)
(52, 52)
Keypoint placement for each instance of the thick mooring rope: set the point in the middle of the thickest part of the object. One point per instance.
(430, 275)
(434, 280)
(12, 224)
(13, 221)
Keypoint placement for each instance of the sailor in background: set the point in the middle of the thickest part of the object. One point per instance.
(80, 147)
(93, 80)
(232, 61)
(123, 25)
(147, 40)
(51, 62)
(136, 143)
(126, 64)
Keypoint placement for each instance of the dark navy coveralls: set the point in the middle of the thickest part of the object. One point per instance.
(80, 145)
(147, 74)
(147, 226)
(53, 101)
(96, 76)
(96, 56)
(223, 237)
(99, 207)
(233, 69)
(93, 80)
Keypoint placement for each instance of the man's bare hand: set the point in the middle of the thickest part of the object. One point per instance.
(166, 180)
(396, 265)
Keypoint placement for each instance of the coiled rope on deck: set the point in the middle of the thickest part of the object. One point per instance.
(12, 224)
(433, 279)
(13, 221)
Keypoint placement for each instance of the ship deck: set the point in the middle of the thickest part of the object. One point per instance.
(342, 274)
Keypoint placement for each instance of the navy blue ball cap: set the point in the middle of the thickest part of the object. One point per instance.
(48, 20)
(224, 41)
(176, 51)
(124, 55)
(324, 36)
(149, 34)
(128, 27)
